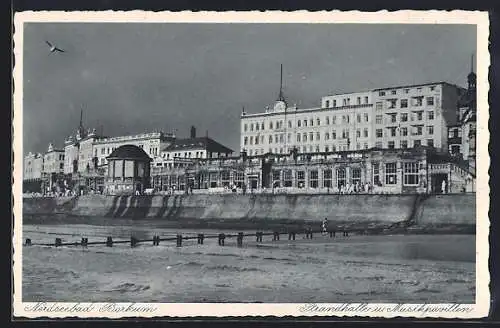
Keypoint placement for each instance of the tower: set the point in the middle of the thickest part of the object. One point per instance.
(471, 78)
(280, 104)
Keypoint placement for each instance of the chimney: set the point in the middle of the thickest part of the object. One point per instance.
(193, 132)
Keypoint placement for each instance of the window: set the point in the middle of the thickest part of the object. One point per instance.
(366, 145)
(379, 133)
(378, 119)
(328, 120)
(304, 137)
(355, 175)
(416, 143)
(334, 119)
(276, 138)
(271, 125)
(305, 123)
(327, 136)
(430, 115)
(358, 118)
(393, 132)
(404, 131)
(289, 138)
(311, 121)
(365, 132)
(381, 93)
(257, 125)
(334, 103)
(276, 178)
(404, 117)
(390, 144)
(393, 92)
(410, 174)
(404, 143)
(318, 122)
(256, 140)
(366, 117)
(417, 101)
(378, 144)
(407, 90)
(282, 138)
(366, 100)
(327, 178)
(334, 148)
(419, 131)
(262, 126)
(430, 129)
(392, 103)
(251, 127)
(300, 178)
(358, 101)
(345, 134)
(432, 88)
(311, 136)
(358, 133)
(327, 104)
(251, 140)
(341, 177)
(299, 123)
(270, 139)
(358, 146)
(313, 178)
(327, 149)
(393, 118)
(404, 103)
(419, 116)
(390, 174)
(298, 137)
(317, 148)
(419, 90)
(334, 135)
(318, 137)
(287, 178)
(430, 101)
(378, 105)
(430, 142)
(245, 142)
(245, 127)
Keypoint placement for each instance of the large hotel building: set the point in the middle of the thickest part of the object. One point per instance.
(394, 117)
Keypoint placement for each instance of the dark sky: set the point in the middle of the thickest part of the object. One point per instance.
(138, 77)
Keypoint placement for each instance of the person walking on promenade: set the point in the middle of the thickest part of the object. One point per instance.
(324, 227)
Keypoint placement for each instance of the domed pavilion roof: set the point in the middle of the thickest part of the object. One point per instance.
(129, 152)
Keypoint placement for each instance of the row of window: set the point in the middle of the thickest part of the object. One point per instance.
(304, 137)
(403, 103)
(405, 91)
(393, 117)
(416, 131)
(410, 176)
(345, 102)
(391, 144)
(306, 122)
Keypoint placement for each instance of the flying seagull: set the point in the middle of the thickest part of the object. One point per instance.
(53, 48)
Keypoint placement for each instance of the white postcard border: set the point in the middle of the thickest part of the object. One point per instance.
(121, 310)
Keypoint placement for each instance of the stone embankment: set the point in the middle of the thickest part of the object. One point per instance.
(409, 212)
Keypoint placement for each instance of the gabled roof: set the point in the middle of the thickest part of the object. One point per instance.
(204, 143)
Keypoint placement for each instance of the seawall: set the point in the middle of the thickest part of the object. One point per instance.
(350, 210)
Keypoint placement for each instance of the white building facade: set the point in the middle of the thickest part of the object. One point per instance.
(396, 117)
(152, 143)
